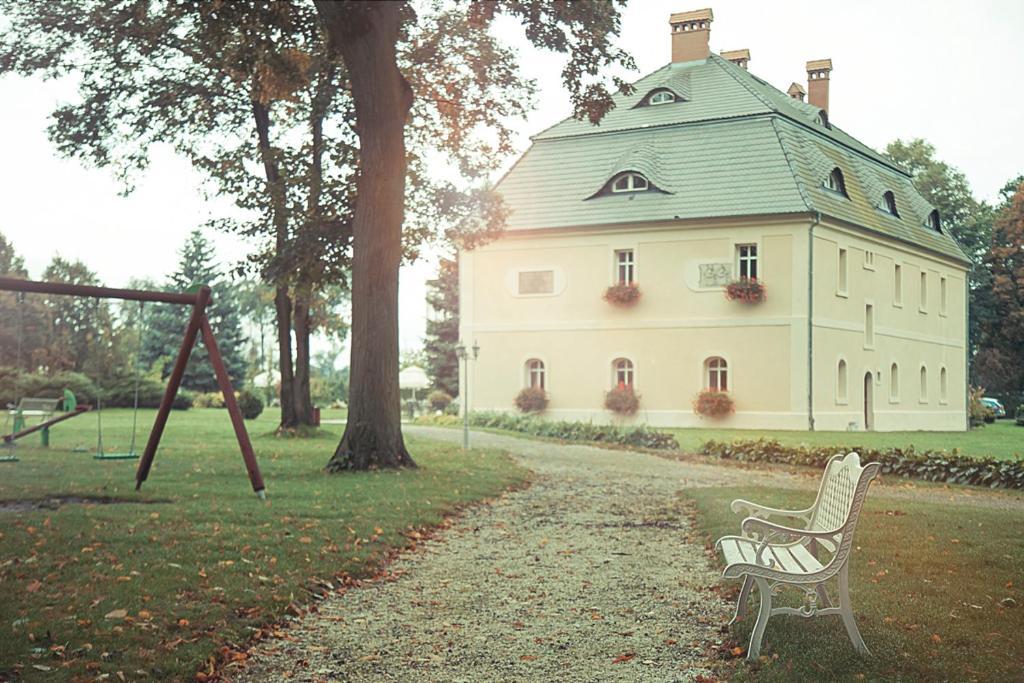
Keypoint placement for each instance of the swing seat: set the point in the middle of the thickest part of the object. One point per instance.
(115, 456)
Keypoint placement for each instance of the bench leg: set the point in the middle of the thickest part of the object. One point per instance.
(847, 612)
(754, 651)
(741, 604)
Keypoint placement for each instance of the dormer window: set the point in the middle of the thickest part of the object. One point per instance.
(630, 182)
(661, 97)
(889, 203)
(836, 182)
(933, 221)
(823, 118)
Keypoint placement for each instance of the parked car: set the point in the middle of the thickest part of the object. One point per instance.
(993, 404)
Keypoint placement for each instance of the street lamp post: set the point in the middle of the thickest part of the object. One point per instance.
(465, 355)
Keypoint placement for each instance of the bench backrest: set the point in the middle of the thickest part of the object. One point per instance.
(43, 405)
(840, 498)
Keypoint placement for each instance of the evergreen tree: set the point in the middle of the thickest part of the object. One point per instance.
(165, 323)
(442, 365)
(80, 333)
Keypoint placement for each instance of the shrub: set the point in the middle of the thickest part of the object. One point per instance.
(439, 420)
(978, 412)
(950, 467)
(622, 400)
(746, 290)
(439, 400)
(622, 294)
(641, 436)
(1020, 415)
(250, 405)
(532, 400)
(209, 399)
(713, 403)
(36, 385)
(452, 409)
(183, 400)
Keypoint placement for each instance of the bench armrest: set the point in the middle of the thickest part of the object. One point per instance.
(766, 529)
(748, 509)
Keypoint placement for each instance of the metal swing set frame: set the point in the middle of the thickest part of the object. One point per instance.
(197, 324)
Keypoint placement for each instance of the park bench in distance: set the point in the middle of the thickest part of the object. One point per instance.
(773, 555)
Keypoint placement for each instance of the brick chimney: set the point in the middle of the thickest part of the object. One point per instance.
(797, 92)
(817, 82)
(690, 34)
(737, 57)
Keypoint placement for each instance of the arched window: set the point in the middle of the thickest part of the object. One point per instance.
(842, 385)
(943, 385)
(661, 97)
(924, 384)
(836, 182)
(630, 182)
(535, 374)
(622, 372)
(894, 383)
(716, 374)
(934, 222)
(889, 200)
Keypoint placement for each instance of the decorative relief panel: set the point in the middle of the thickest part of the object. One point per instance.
(715, 274)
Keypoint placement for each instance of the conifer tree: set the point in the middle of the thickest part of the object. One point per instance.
(443, 328)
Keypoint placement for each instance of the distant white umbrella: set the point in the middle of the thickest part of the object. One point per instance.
(413, 377)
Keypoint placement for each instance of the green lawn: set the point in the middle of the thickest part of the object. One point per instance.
(154, 590)
(1003, 439)
(927, 580)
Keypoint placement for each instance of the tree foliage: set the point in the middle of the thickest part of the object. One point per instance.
(1002, 357)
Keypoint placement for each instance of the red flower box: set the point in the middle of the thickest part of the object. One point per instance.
(746, 290)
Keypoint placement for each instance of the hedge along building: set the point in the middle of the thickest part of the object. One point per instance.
(706, 177)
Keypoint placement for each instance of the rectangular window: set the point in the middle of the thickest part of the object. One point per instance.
(841, 288)
(869, 259)
(897, 285)
(625, 267)
(869, 326)
(537, 282)
(746, 257)
(942, 295)
(923, 306)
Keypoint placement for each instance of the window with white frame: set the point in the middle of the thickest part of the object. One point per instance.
(625, 267)
(661, 97)
(924, 385)
(843, 275)
(746, 261)
(889, 201)
(536, 374)
(622, 373)
(897, 285)
(894, 383)
(836, 182)
(716, 374)
(630, 182)
(842, 382)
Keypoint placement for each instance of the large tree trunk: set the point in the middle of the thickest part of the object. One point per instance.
(282, 302)
(366, 34)
(302, 397)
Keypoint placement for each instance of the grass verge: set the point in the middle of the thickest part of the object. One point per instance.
(155, 589)
(928, 581)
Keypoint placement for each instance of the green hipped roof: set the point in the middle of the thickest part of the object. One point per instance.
(733, 146)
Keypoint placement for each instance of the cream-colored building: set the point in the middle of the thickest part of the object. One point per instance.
(707, 175)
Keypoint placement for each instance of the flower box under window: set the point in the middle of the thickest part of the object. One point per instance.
(622, 294)
(746, 290)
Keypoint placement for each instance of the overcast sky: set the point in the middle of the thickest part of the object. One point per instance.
(945, 71)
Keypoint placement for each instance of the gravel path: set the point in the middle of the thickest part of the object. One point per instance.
(586, 575)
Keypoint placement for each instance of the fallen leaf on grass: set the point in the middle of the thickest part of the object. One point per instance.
(936, 638)
(736, 651)
(116, 614)
(34, 586)
(625, 657)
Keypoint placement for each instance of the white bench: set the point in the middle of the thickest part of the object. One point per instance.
(773, 555)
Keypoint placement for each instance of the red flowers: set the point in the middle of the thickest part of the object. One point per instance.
(746, 290)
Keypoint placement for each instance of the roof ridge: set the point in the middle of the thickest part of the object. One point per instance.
(789, 162)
